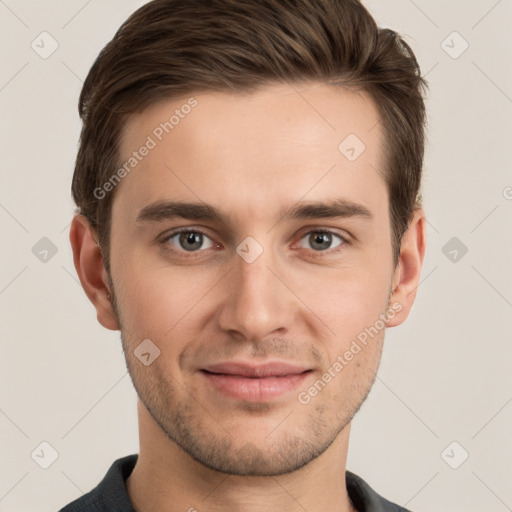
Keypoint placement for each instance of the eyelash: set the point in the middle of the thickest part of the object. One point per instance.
(316, 254)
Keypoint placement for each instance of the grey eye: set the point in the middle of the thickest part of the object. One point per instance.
(190, 241)
(321, 240)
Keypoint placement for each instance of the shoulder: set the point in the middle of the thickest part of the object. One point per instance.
(110, 494)
(365, 499)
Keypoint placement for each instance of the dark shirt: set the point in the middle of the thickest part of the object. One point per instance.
(110, 494)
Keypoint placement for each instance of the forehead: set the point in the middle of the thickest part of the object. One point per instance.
(250, 150)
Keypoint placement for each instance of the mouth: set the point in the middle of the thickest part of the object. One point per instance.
(255, 383)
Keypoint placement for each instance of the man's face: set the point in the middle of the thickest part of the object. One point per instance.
(290, 293)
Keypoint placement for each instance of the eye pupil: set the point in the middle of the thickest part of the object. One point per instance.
(321, 238)
(192, 241)
(191, 237)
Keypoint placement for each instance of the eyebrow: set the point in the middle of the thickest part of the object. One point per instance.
(168, 210)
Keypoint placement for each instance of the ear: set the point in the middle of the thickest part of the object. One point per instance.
(406, 277)
(89, 266)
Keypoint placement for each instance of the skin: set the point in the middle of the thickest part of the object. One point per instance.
(252, 156)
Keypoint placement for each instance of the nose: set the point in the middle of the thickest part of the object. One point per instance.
(258, 300)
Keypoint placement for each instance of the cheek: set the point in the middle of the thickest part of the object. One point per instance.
(346, 301)
(158, 301)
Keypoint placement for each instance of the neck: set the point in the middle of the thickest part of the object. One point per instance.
(166, 479)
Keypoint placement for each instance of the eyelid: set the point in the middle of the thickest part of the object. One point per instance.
(167, 237)
(345, 238)
(344, 235)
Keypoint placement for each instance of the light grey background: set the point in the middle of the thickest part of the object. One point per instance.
(445, 374)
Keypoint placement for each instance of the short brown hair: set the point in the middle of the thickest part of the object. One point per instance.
(170, 48)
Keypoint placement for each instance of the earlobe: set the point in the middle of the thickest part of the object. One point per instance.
(406, 278)
(89, 266)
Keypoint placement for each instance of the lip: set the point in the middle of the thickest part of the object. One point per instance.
(270, 369)
(255, 383)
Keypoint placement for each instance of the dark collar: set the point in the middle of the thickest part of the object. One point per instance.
(110, 494)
